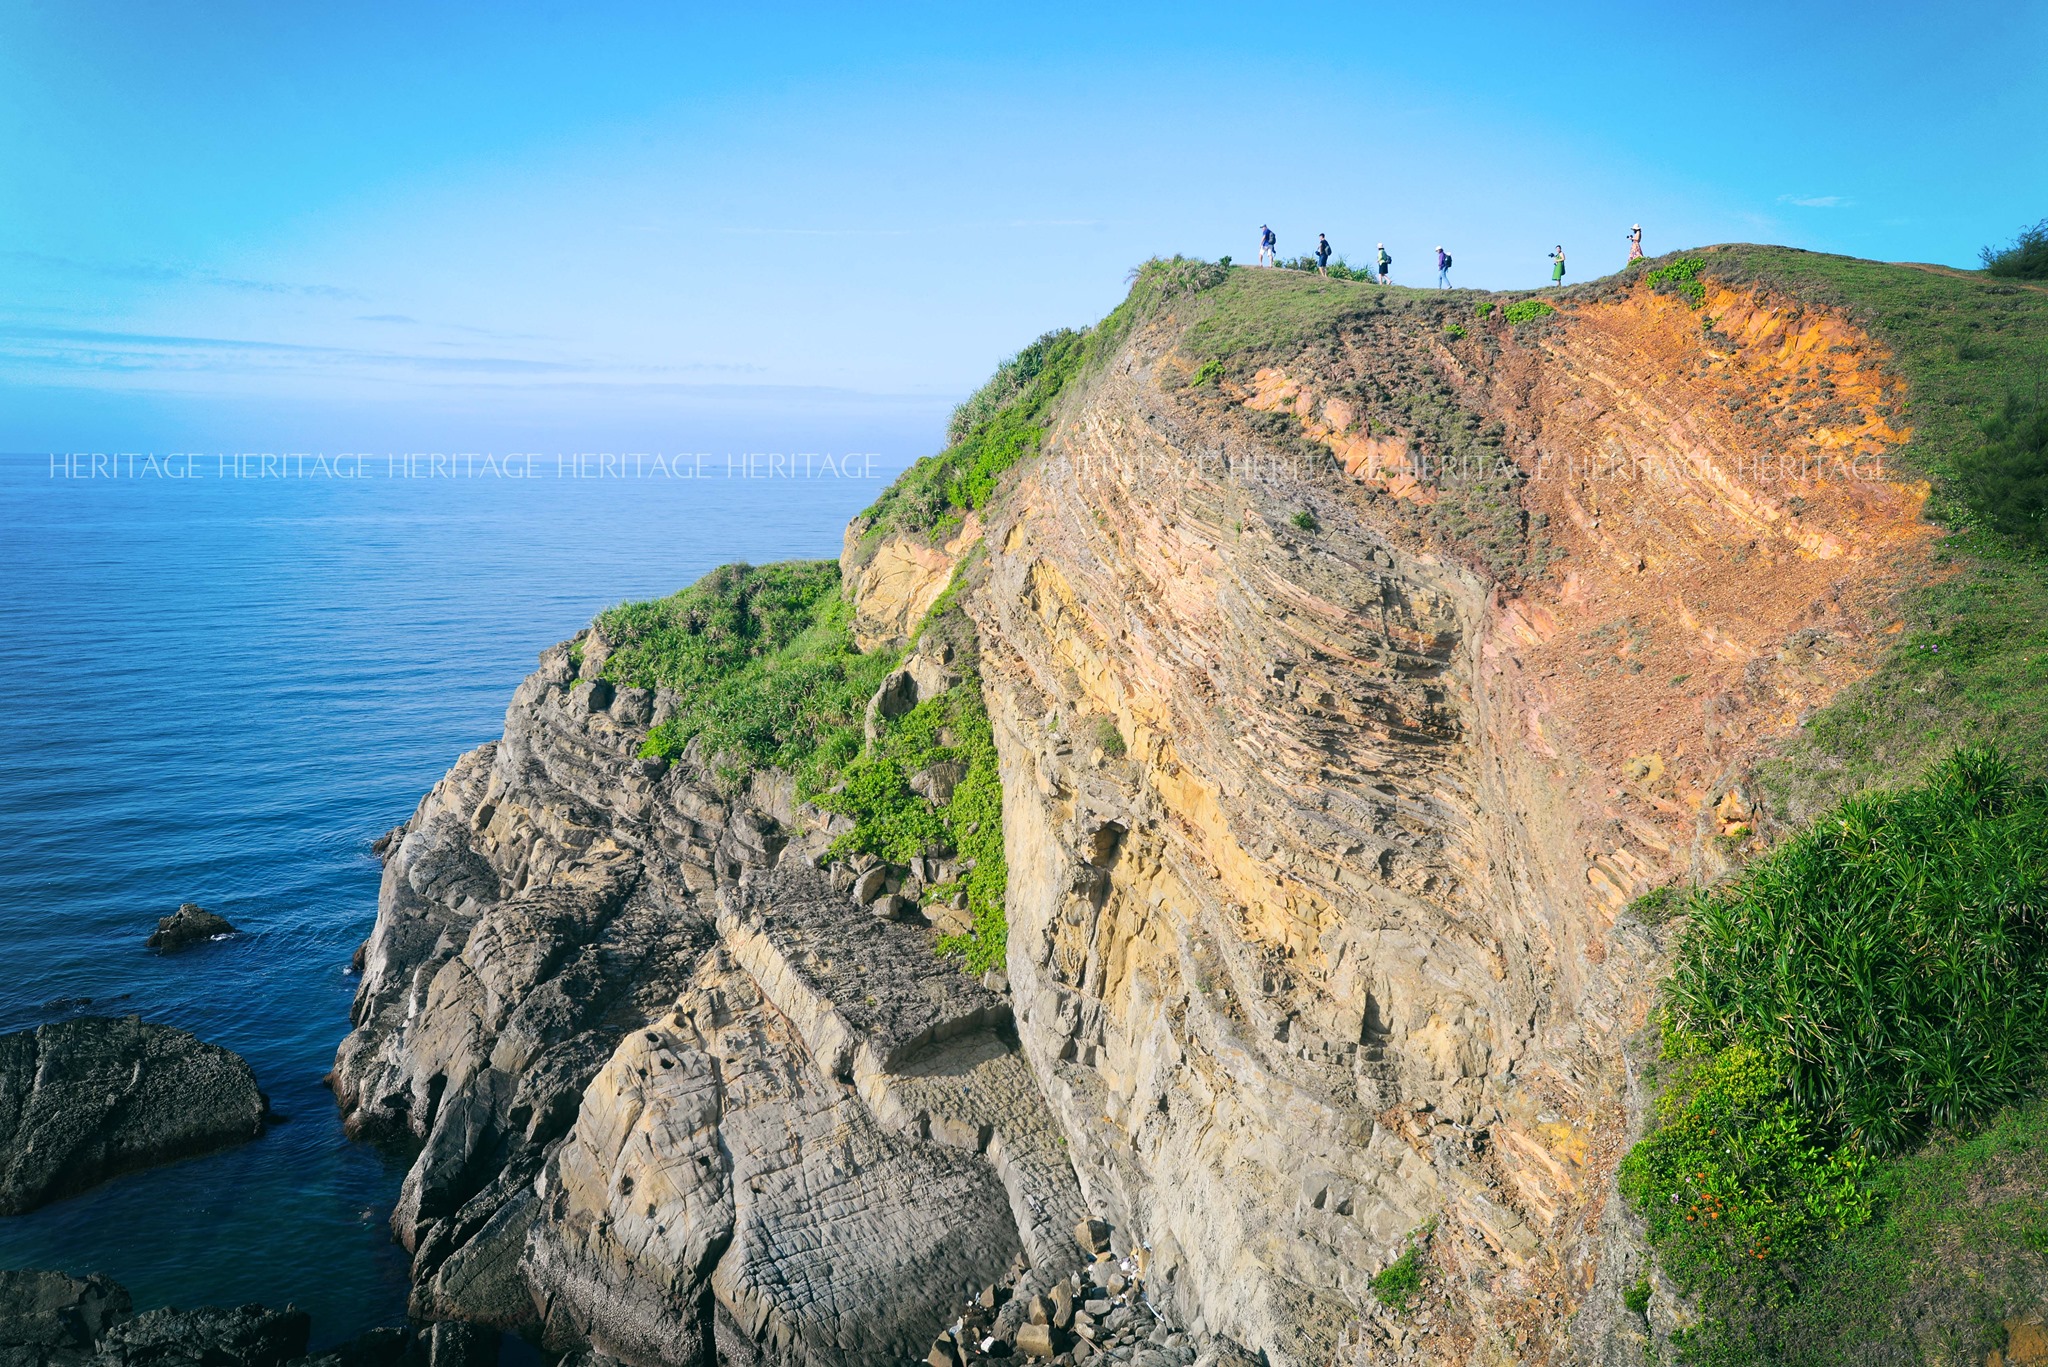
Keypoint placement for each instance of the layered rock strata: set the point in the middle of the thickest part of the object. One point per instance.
(680, 1094)
(1323, 797)
(1331, 764)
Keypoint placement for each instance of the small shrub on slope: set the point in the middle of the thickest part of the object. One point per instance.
(1527, 311)
(1682, 278)
(2025, 259)
(2006, 478)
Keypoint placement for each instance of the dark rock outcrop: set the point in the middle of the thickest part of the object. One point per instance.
(86, 1099)
(211, 1336)
(189, 925)
(52, 1318)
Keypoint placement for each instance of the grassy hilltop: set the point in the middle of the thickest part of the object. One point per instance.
(1849, 1156)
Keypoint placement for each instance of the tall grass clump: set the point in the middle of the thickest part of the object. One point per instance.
(1881, 975)
(2025, 258)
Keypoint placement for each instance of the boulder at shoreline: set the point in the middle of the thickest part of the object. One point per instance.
(86, 1099)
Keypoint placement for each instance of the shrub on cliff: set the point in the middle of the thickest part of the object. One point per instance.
(2025, 258)
(763, 664)
(1879, 976)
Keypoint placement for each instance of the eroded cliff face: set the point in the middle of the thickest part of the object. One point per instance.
(681, 1098)
(1330, 764)
(1332, 952)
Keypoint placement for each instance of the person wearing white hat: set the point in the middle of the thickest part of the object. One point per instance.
(1635, 243)
(1385, 262)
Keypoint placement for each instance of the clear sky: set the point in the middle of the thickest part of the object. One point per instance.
(329, 226)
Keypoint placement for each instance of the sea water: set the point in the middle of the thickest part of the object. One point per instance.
(224, 679)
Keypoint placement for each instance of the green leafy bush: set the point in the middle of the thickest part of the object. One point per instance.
(1305, 520)
(1396, 1283)
(1527, 311)
(1484, 308)
(1109, 738)
(2006, 478)
(1208, 372)
(1734, 1174)
(1454, 331)
(2025, 258)
(1635, 1298)
(893, 822)
(1680, 277)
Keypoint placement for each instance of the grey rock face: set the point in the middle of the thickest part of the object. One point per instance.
(83, 1100)
(188, 925)
(680, 1099)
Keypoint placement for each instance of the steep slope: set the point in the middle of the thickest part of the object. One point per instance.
(1333, 952)
(1352, 658)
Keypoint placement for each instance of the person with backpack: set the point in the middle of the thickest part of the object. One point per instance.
(1268, 245)
(1635, 243)
(1322, 254)
(1557, 266)
(1385, 263)
(1443, 269)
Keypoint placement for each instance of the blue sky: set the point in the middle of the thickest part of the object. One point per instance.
(522, 227)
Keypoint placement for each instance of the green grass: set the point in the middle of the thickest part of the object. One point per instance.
(999, 426)
(1004, 422)
(1880, 976)
(768, 676)
(764, 666)
(1960, 1242)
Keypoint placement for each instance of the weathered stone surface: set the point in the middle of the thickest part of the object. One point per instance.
(188, 925)
(86, 1099)
(247, 1336)
(676, 1098)
(51, 1317)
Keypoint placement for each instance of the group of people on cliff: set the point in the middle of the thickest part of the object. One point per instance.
(1269, 255)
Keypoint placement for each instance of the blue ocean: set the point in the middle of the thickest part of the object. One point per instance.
(231, 677)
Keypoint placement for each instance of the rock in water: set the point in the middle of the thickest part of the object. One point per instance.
(49, 1317)
(83, 1100)
(188, 925)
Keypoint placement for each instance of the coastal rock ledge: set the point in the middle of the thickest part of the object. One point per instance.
(88, 1099)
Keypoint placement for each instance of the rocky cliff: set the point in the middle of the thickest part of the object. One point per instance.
(1346, 690)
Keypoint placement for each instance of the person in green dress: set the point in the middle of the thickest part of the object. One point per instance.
(1557, 265)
